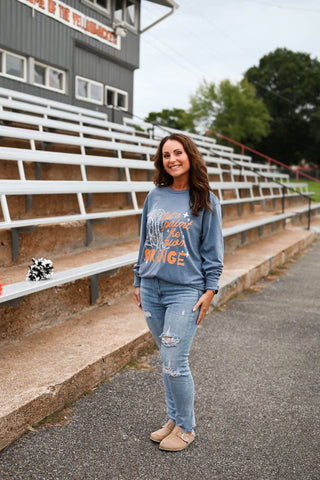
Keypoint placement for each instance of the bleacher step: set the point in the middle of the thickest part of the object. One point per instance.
(17, 272)
(248, 264)
(54, 366)
(95, 277)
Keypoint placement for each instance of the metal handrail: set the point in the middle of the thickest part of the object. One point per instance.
(262, 176)
(283, 185)
(250, 168)
(266, 157)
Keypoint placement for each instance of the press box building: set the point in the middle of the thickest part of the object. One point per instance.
(81, 52)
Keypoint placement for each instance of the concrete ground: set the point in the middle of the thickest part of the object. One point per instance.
(255, 362)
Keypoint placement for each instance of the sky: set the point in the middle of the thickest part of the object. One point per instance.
(215, 40)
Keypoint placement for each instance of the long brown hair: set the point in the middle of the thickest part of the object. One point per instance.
(199, 187)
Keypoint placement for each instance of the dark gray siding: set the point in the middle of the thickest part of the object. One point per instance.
(60, 46)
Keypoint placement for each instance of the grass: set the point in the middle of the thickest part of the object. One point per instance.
(312, 187)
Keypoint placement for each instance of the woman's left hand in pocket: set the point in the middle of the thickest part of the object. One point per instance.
(136, 297)
(204, 303)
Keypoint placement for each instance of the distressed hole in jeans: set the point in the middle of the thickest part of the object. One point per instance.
(169, 340)
(147, 315)
(171, 372)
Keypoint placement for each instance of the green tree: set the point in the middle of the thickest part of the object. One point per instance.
(289, 84)
(176, 118)
(232, 109)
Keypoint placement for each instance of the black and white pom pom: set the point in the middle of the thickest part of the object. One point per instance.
(42, 269)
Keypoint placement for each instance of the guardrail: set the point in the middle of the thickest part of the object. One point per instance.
(248, 167)
(262, 155)
(283, 186)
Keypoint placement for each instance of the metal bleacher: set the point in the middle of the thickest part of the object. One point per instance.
(85, 169)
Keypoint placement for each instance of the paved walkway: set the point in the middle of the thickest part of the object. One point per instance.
(256, 369)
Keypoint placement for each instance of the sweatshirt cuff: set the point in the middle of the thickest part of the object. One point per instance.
(215, 290)
(214, 287)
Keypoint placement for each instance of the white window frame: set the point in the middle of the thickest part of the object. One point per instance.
(93, 4)
(116, 91)
(90, 82)
(3, 72)
(47, 70)
(123, 16)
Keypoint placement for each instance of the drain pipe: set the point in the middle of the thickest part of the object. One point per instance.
(174, 7)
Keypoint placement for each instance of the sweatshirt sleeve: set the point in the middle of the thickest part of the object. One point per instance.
(143, 232)
(211, 248)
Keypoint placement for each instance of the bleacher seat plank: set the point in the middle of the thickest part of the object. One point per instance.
(108, 130)
(21, 289)
(30, 100)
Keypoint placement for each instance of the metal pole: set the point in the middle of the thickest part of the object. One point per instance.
(309, 213)
(283, 200)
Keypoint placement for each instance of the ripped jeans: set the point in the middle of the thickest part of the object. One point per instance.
(168, 312)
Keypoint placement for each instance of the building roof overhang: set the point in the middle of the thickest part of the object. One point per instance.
(166, 3)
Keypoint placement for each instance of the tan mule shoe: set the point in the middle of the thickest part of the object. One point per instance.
(177, 440)
(163, 432)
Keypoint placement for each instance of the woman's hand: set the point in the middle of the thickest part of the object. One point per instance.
(204, 304)
(136, 297)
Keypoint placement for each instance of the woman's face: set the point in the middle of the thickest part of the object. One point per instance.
(175, 159)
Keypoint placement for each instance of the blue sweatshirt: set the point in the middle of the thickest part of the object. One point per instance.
(175, 245)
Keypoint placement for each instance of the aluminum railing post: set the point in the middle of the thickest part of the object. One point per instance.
(309, 213)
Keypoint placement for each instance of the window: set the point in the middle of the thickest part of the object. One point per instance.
(39, 74)
(111, 95)
(122, 100)
(89, 90)
(55, 79)
(116, 98)
(13, 66)
(49, 77)
(130, 14)
(101, 5)
(127, 11)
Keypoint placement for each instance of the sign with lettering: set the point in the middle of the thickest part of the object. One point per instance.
(75, 19)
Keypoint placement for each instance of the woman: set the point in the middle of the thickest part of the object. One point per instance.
(179, 264)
